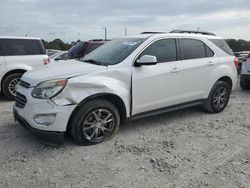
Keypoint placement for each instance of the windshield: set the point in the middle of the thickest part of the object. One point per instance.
(114, 51)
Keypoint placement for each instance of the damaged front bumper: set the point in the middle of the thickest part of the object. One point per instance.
(47, 136)
(44, 118)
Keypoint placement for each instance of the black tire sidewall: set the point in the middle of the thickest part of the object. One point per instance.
(83, 112)
(6, 83)
(211, 97)
(245, 84)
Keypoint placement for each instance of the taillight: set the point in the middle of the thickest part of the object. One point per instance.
(236, 62)
(46, 61)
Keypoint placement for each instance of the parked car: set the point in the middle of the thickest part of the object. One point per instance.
(60, 56)
(51, 52)
(18, 55)
(245, 74)
(242, 56)
(125, 79)
(83, 48)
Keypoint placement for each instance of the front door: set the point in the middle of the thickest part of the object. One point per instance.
(157, 86)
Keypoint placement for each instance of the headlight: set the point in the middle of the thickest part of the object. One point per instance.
(48, 89)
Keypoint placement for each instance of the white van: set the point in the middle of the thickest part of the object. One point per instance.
(18, 55)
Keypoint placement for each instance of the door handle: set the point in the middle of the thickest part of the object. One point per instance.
(210, 63)
(175, 70)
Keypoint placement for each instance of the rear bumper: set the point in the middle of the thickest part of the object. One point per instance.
(47, 136)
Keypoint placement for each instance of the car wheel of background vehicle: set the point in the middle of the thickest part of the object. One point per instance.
(9, 85)
(94, 122)
(244, 84)
(218, 97)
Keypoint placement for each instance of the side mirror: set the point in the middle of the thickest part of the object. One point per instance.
(146, 60)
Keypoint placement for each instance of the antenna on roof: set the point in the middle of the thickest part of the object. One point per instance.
(26, 34)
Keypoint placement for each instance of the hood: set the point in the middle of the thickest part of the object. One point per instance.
(59, 70)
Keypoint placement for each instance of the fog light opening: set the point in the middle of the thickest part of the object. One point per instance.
(45, 119)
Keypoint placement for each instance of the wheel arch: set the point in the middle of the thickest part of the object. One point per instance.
(11, 72)
(112, 98)
(228, 80)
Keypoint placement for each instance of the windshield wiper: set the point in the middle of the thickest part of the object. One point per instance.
(92, 61)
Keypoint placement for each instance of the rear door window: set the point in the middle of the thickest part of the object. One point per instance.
(13, 47)
(192, 49)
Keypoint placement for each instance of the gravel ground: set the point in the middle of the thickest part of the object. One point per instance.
(187, 148)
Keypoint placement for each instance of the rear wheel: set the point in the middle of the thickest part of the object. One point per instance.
(94, 122)
(218, 97)
(9, 85)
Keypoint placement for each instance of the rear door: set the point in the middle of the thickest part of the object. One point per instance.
(197, 64)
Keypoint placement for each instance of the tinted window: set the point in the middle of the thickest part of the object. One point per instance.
(1, 52)
(164, 50)
(92, 47)
(21, 47)
(192, 49)
(209, 52)
(222, 45)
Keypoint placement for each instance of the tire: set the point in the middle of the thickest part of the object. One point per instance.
(87, 127)
(9, 84)
(218, 97)
(244, 83)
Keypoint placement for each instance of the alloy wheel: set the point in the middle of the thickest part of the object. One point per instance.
(12, 86)
(98, 124)
(220, 97)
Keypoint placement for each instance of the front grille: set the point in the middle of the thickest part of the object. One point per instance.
(20, 100)
(24, 84)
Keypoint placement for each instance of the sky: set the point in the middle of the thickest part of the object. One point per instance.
(71, 20)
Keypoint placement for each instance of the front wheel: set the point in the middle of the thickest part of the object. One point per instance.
(218, 97)
(94, 122)
(9, 85)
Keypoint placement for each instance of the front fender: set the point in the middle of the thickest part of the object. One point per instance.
(82, 87)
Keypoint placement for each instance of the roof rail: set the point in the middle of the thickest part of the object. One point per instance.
(193, 32)
(152, 32)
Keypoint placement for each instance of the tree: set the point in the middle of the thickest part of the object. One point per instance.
(238, 45)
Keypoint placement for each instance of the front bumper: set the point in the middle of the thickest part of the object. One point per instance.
(25, 115)
(48, 136)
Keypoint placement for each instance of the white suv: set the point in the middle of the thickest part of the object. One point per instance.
(18, 55)
(125, 79)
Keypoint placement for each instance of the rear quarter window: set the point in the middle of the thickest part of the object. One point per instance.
(11, 47)
(222, 44)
